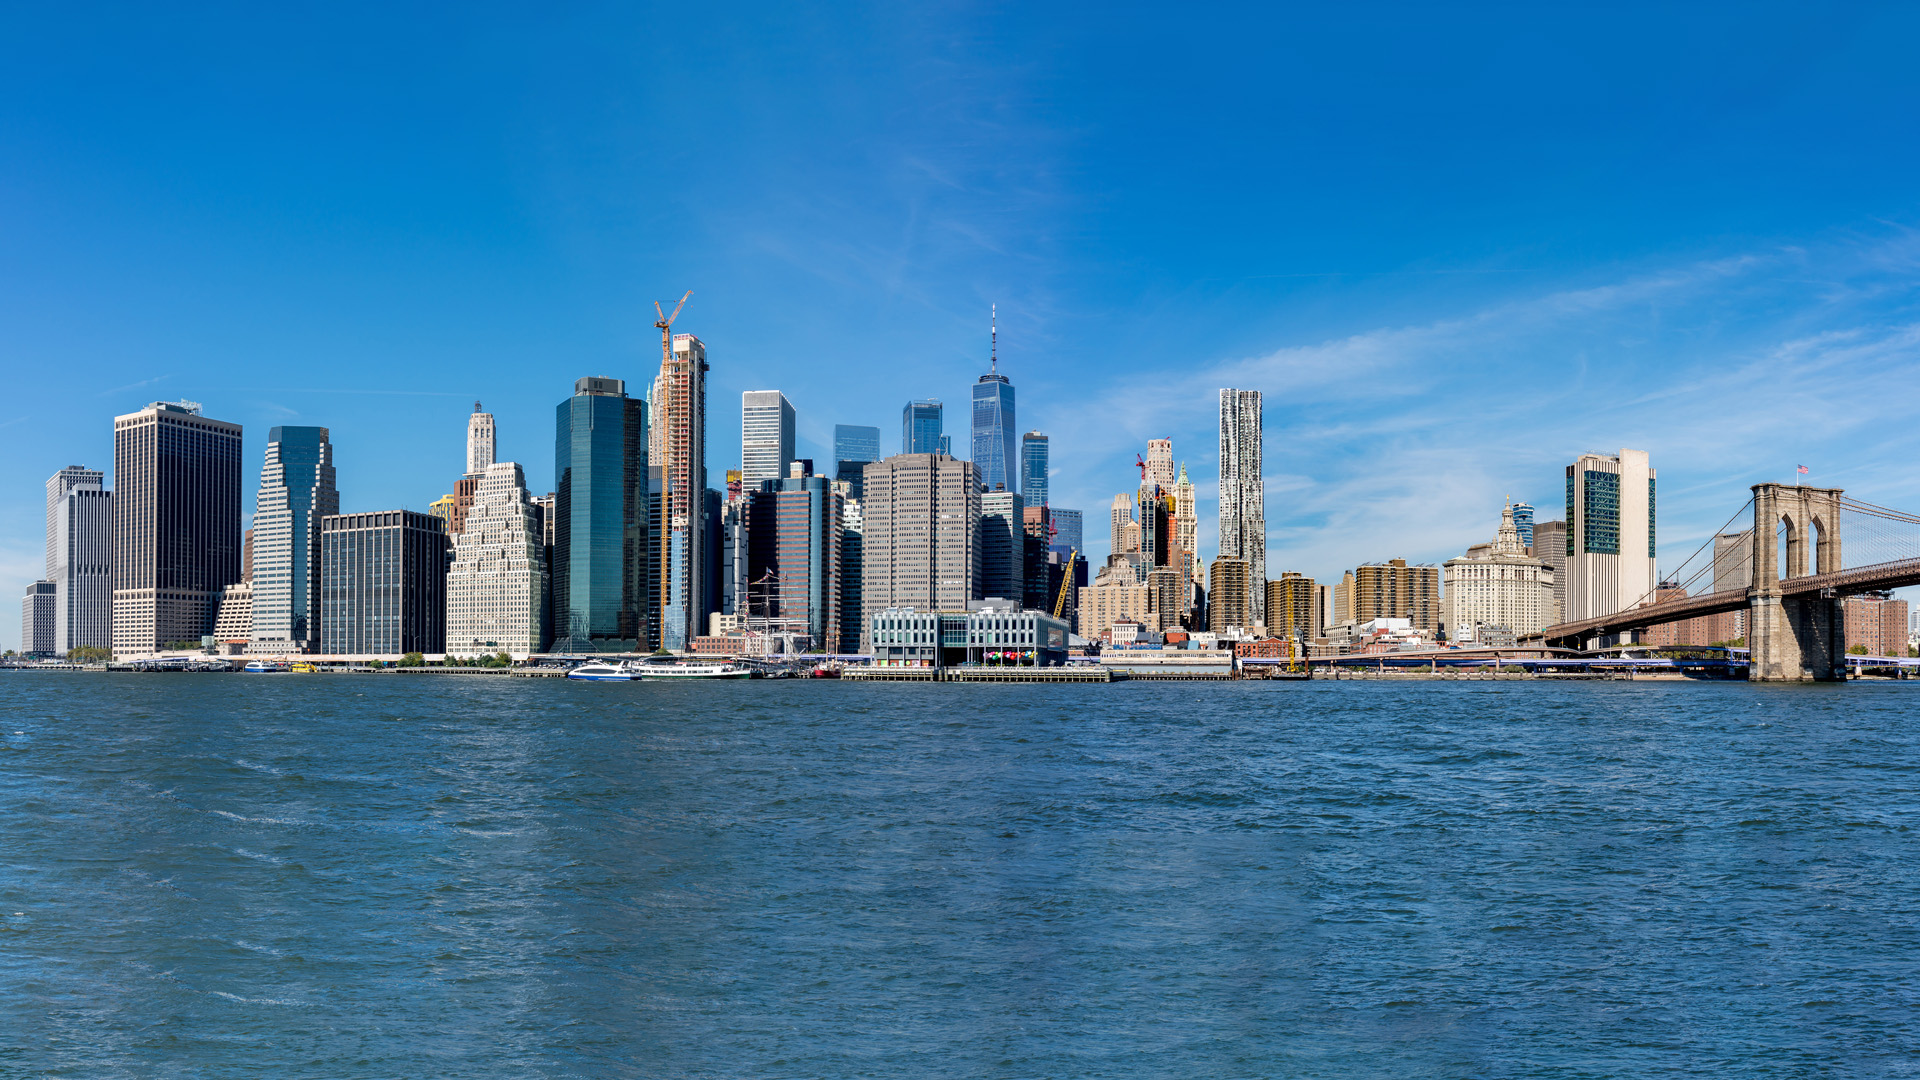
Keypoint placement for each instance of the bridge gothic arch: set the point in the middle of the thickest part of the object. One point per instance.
(1792, 639)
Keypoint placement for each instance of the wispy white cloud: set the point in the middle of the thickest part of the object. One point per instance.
(1403, 440)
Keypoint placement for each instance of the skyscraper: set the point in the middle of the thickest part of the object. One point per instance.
(1523, 523)
(1159, 470)
(854, 447)
(1121, 516)
(1033, 468)
(296, 492)
(1066, 529)
(1497, 591)
(993, 426)
(600, 574)
(383, 584)
(80, 558)
(921, 426)
(1610, 533)
(680, 430)
(479, 441)
(794, 556)
(1550, 547)
(766, 436)
(1186, 528)
(36, 619)
(73, 476)
(496, 584)
(176, 523)
(1002, 546)
(852, 442)
(1243, 515)
(922, 537)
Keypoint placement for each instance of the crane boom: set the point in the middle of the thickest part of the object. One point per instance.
(665, 326)
(1066, 582)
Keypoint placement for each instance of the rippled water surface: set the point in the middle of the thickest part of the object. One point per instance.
(381, 876)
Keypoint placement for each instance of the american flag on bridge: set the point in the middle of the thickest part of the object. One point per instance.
(1803, 470)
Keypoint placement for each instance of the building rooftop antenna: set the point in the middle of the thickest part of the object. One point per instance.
(995, 332)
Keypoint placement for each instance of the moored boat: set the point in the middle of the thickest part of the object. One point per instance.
(665, 672)
(265, 667)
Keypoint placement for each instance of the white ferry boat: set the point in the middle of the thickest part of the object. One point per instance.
(604, 672)
(664, 672)
(266, 667)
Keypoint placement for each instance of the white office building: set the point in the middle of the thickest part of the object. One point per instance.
(1611, 505)
(480, 447)
(496, 587)
(80, 558)
(766, 437)
(1497, 588)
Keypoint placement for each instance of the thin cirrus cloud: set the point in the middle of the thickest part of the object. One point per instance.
(1404, 440)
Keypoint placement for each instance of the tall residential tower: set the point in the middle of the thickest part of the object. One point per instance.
(1243, 515)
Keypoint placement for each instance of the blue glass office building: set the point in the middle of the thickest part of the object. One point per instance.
(995, 458)
(1033, 468)
(921, 428)
(852, 442)
(600, 535)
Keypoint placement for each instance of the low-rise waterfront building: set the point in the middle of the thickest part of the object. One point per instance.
(1876, 625)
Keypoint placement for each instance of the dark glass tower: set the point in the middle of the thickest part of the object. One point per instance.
(921, 428)
(176, 523)
(600, 534)
(994, 454)
(1033, 468)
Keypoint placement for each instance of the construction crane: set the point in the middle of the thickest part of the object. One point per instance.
(1142, 464)
(665, 326)
(1066, 582)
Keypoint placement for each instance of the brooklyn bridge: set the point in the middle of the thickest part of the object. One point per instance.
(1792, 585)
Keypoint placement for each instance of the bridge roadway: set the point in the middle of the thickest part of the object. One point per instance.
(1887, 575)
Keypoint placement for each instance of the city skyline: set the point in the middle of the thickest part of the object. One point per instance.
(1427, 345)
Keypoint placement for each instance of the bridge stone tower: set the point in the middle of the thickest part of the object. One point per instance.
(1795, 638)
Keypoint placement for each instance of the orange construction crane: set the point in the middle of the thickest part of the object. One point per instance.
(666, 328)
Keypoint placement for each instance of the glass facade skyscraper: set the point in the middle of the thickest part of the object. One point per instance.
(852, 442)
(296, 492)
(601, 515)
(994, 455)
(922, 427)
(1033, 468)
(1523, 522)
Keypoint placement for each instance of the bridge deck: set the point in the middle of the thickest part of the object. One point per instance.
(1888, 575)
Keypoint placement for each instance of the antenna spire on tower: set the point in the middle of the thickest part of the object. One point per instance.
(995, 315)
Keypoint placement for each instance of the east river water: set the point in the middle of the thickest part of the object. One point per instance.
(417, 876)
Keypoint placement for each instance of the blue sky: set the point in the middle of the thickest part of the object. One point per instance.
(1455, 245)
